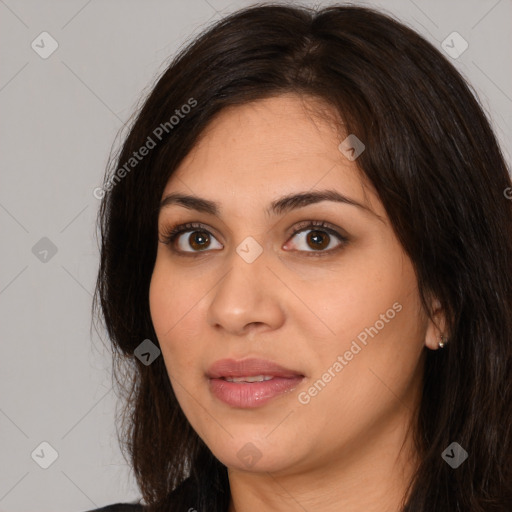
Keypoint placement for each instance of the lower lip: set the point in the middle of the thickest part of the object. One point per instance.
(252, 394)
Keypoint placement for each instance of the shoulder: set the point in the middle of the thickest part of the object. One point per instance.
(187, 490)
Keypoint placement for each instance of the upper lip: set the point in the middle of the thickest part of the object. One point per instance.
(249, 368)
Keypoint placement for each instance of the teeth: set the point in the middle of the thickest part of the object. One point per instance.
(256, 378)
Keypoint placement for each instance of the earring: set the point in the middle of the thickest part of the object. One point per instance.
(443, 341)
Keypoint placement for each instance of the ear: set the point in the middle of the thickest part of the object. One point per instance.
(436, 327)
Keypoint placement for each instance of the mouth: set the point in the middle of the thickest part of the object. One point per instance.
(250, 383)
(256, 378)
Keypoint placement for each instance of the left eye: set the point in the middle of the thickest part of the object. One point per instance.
(317, 240)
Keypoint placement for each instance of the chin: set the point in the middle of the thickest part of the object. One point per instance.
(246, 453)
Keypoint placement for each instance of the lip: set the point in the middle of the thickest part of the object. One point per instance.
(249, 368)
(250, 394)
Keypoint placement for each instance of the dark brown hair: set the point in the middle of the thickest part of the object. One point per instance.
(437, 167)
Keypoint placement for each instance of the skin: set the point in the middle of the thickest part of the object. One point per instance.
(349, 448)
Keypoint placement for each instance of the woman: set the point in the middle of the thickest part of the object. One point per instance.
(306, 262)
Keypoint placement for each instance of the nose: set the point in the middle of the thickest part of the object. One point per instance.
(248, 298)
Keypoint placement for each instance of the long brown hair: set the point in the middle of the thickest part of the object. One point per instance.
(432, 157)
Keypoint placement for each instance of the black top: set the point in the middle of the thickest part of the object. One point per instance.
(186, 489)
(120, 507)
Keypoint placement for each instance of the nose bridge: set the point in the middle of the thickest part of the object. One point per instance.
(243, 296)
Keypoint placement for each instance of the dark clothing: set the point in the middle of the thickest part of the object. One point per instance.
(120, 507)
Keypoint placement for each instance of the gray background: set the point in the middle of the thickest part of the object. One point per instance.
(59, 121)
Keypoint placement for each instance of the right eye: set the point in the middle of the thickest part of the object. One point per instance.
(199, 238)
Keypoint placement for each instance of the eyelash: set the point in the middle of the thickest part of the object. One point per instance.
(170, 234)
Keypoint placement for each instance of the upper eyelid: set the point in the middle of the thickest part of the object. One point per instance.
(295, 227)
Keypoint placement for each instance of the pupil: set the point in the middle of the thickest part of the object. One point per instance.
(316, 237)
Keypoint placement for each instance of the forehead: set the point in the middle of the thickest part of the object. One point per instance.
(267, 148)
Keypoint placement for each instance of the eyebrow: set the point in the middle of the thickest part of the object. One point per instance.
(278, 207)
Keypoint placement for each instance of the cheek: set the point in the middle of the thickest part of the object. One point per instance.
(171, 297)
(160, 302)
(374, 379)
(375, 325)
(174, 306)
(165, 307)
(350, 300)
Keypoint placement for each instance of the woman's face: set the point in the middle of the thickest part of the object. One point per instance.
(340, 312)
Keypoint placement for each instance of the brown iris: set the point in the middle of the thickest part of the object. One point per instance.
(199, 240)
(320, 239)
